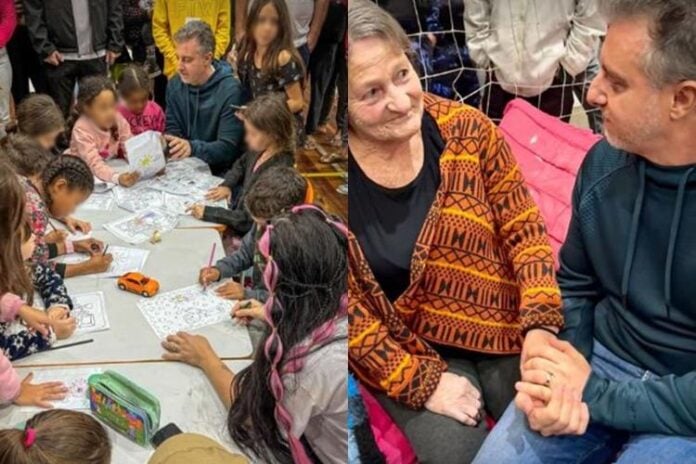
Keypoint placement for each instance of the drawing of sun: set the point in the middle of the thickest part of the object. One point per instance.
(146, 161)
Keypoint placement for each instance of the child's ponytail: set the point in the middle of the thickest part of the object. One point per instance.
(56, 436)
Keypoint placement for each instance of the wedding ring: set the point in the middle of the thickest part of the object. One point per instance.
(549, 376)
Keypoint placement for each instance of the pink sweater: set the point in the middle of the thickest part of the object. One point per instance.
(152, 118)
(95, 145)
(8, 21)
(9, 380)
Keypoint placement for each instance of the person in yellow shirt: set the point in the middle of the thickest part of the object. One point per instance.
(169, 15)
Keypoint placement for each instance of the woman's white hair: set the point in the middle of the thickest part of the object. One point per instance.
(367, 20)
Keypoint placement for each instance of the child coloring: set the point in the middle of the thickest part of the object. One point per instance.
(142, 113)
(99, 131)
(269, 134)
(277, 190)
(295, 387)
(56, 190)
(15, 289)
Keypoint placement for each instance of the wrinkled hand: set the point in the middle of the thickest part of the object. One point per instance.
(91, 246)
(457, 398)
(35, 319)
(76, 225)
(196, 210)
(178, 148)
(219, 193)
(208, 275)
(565, 413)
(128, 179)
(56, 236)
(190, 349)
(40, 394)
(230, 291)
(54, 58)
(246, 311)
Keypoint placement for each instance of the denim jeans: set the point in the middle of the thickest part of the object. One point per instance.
(512, 441)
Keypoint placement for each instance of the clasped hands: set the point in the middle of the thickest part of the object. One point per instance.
(554, 375)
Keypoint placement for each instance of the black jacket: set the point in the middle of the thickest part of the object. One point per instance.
(52, 26)
(242, 175)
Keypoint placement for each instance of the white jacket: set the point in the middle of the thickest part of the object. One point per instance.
(525, 40)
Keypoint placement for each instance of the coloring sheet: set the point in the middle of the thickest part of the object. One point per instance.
(89, 311)
(125, 260)
(139, 227)
(138, 198)
(179, 204)
(173, 185)
(145, 154)
(189, 164)
(98, 202)
(188, 308)
(76, 379)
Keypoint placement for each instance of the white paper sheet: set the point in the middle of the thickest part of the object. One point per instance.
(188, 308)
(101, 186)
(89, 310)
(77, 235)
(72, 258)
(179, 204)
(138, 228)
(75, 378)
(125, 260)
(98, 202)
(139, 198)
(145, 154)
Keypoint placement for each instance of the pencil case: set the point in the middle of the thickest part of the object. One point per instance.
(124, 406)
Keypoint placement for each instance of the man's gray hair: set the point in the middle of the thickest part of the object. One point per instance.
(672, 55)
(366, 20)
(199, 30)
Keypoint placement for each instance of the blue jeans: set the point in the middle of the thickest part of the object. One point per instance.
(512, 441)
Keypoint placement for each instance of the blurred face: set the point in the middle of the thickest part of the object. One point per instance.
(385, 98)
(266, 26)
(64, 200)
(48, 140)
(635, 113)
(102, 110)
(254, 138)
(193, 64)
(28, 247)
(136, 101)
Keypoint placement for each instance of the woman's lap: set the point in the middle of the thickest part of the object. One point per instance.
(439, 439)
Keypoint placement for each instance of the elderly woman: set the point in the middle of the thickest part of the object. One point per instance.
(451, 272)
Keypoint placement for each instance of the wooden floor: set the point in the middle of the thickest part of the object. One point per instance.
(325, 178)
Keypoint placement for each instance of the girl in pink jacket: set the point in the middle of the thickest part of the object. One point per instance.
(141, 113)
(99, 133)
(14, 282)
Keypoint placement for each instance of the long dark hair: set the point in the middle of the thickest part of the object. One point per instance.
(25, 154)
(270, 114)
(283, 41)
(89, 89)
(13, 276)
(306, 275)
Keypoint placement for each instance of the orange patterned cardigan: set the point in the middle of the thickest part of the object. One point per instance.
(482, 270)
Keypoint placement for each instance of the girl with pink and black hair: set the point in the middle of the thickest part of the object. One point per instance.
(290, 404)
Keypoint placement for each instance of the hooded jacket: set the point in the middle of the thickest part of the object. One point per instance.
(204, 116)
(627, 279)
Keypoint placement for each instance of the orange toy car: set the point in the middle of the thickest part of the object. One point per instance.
(135, 282)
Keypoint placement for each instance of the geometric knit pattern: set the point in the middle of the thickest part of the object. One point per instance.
(482, 270)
